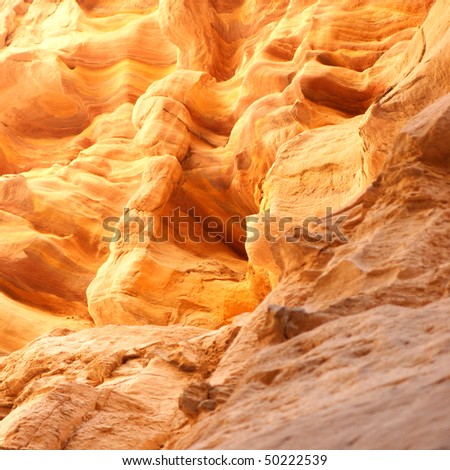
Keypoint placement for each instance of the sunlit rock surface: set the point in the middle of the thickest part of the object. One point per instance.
(231, 110)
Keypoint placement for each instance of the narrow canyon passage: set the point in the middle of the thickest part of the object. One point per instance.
(326, 115)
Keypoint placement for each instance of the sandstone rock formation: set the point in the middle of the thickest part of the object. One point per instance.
(337, 110)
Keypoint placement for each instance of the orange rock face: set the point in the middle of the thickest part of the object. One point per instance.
(196, 121)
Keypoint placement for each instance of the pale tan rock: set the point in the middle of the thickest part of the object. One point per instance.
(106, 382)
(232, 109)
(376, 380)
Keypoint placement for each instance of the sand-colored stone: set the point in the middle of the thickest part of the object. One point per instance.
(233, 109)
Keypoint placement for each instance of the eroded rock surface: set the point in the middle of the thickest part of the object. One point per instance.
(227, 110)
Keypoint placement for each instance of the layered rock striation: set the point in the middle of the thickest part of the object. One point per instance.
(117, 113)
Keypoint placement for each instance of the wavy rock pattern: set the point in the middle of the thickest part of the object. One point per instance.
(231, 108)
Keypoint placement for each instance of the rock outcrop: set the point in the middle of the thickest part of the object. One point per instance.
(121, 119)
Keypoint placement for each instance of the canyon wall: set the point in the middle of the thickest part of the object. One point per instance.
(331, 111)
